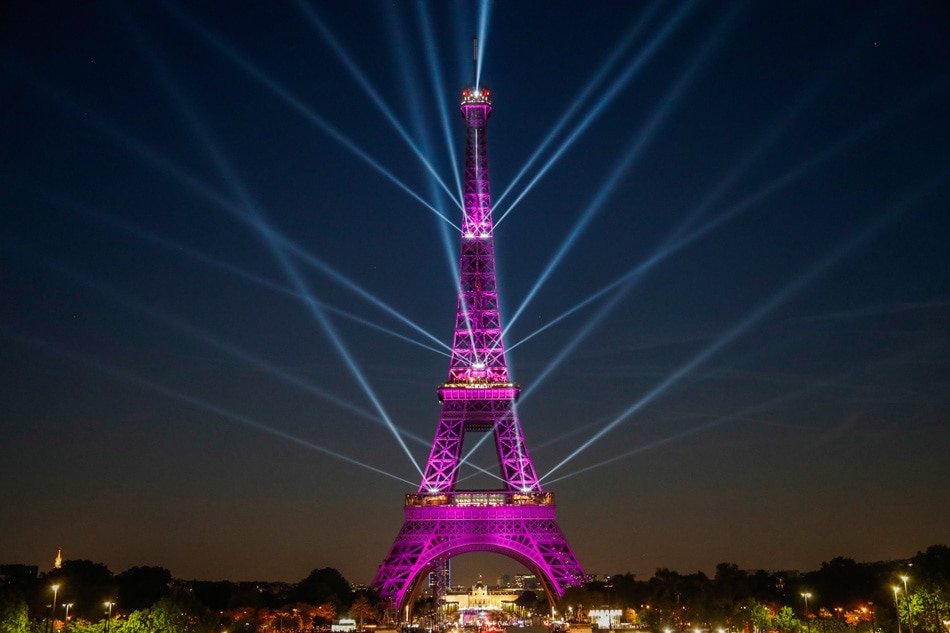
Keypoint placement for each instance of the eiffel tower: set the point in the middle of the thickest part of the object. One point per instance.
(517, 520)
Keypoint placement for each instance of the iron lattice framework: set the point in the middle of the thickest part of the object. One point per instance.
(519, 519)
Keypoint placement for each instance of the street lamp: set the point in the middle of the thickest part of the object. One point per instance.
(108, 604)
(897, 607)
(910, 617)
(52, 611)
(868, 613)
(67, 606)
(806, 596)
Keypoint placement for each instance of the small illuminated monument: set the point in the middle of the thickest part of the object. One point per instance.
(518, 519)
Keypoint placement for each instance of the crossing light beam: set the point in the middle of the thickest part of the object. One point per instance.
(847, 246)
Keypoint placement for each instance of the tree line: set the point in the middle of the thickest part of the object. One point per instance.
(150, 600)
(842, 596)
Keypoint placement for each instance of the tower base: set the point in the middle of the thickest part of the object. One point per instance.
(521, 527)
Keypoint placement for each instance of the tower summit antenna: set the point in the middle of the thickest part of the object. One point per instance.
(475, 60)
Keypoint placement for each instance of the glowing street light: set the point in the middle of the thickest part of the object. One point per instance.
(67, 607)
(910, 617)
(897, 607)
(52, 611)
(806, 596)
(108, 604)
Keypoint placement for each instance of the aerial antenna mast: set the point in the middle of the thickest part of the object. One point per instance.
(475, 61)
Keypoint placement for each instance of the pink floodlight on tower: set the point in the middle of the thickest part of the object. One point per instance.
(518, 519)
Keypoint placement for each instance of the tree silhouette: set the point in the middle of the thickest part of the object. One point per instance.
(326, 585)
(141, 587)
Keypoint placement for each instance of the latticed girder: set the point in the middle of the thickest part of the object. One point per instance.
(476, 186)
(528, 534)
(478, 352)
(517, 469)
(486, 410)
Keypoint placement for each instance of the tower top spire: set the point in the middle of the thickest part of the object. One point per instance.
(478, 353)
(475, 61)
(474, 93)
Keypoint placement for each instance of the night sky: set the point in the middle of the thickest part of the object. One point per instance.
(735, 237)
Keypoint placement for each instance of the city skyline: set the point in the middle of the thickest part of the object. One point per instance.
(24, 573)
(725, 288)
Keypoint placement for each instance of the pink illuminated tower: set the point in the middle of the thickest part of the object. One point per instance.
(517, 520)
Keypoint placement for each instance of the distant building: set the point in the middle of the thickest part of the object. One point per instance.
(526, 581)
(441, 576)
(481, 597)
(58, 562)
(605, 618)
(14, 574)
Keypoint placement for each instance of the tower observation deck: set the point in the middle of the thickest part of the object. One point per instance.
(517, 520)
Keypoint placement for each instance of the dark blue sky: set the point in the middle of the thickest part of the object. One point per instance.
(771, 389)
